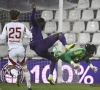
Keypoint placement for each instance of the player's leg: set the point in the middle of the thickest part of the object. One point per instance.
(12, 60)
(50, 77)
(22, 60)
(26, 75)
(49, 41)
(50, 56)
(60, 36)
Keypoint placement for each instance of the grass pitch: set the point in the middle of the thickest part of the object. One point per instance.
(6, 86)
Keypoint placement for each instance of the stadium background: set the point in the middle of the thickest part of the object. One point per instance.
(81, 24)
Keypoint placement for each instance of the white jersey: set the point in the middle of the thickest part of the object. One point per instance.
(15, 31)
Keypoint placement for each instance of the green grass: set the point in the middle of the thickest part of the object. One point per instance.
(6, 86)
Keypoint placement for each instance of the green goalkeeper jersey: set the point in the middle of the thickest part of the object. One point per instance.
(76, 56)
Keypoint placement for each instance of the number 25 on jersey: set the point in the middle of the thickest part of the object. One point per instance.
(15, 32)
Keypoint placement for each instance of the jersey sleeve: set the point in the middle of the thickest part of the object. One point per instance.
(27, 32)
(32, 17)
(4, 33)
(88, 62)
(72, 54)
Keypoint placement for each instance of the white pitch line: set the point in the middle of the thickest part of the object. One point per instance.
(87, 69)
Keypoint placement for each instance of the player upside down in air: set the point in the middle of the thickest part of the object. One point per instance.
(41, 46)
(75, 56)
(14, 31)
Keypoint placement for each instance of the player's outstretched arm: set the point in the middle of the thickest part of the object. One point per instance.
(94, 68)
(76, 66)
(32, 17)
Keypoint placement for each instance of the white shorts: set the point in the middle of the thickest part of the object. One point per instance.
(16, 54)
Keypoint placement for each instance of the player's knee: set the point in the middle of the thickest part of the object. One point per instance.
(22, 64)
(11, 67)
(24, 68)
(57, 35)
(60, 33)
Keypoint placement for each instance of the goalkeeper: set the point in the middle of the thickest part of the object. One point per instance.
(75, 56)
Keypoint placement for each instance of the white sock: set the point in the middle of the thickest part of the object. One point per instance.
(27, 77)
(50, 75)
(14, 72)
(66, 46)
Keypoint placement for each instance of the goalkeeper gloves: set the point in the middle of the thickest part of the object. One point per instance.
(94, 68)
(74, 65)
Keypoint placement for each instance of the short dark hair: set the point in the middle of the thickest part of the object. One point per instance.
(41, 22)
(91, 48)
(14, 14)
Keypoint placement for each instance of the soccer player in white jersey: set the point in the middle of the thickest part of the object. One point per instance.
(15, 31)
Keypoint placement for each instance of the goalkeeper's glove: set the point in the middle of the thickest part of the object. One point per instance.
(94, 68)
(76, 66)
